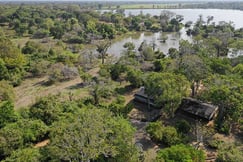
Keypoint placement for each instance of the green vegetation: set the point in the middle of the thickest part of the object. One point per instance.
(180, 153)
(63, 49)
(229, 152)
(165, 134)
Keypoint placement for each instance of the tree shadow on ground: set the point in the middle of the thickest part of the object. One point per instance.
(124, 90)
(76, 86)
(141, 112)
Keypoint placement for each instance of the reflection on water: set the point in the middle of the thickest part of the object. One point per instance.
(150, 38)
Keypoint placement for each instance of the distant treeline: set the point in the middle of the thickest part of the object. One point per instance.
(216, 5)
(128, 4)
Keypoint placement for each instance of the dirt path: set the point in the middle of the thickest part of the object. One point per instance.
(141, 138)
(42, 143)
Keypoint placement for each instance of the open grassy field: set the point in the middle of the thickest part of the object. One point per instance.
(34, 88)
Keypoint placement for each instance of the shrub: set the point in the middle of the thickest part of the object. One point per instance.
(170, 136)
(39, 68)
(7, 113)
(61, 73)
(6, 91)
(135, 77)
(116, 70)
(214, 143)
(180, 153)
(230, 153)
(41, 34)
(47, 109)
(155, 130)
(183, 126)
(26, 155)
(148, 53)
(167, 135)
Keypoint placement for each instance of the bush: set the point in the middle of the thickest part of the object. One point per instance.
(16, 76)
(167, 135)
(75, 40)
(4, 74)
(7, 113)
(41, 34)
(180, 153)
(116, 70)
(220, 66)
(61, 73)
(19, 134)
(26, 155)
(39, 68)
(10, 140)
(222, 126)
(6, 91)
(214, 143)
(170, 136)
(104, 71)
(161, 64)
(118, 106)
(183, 126)
(155, 130)
(33, 130)
(47, 109)
(135, 77)
(148, 53)
(230, 153)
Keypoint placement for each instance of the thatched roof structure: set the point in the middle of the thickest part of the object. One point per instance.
(198, 109)
(141, 96)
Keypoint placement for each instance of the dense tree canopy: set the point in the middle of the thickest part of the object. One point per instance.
(87, 121)
(91, 134)
(226, 93)
(11, 61)
(7, 113)
(167, 89)
(27, 155)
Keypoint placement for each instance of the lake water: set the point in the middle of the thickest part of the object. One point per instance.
(116, 48)
(234, 16)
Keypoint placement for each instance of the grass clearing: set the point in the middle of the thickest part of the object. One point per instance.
(32, 89)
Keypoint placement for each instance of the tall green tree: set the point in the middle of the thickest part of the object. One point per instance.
(194, 68)
(7, 113)
(91, 134)
(102, 48)
(227, 94)
(167, 89)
